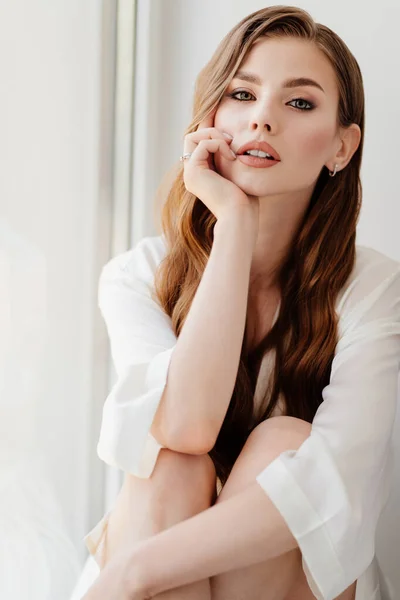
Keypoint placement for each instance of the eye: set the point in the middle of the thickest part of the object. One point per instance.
(310, 104)
(234, 94)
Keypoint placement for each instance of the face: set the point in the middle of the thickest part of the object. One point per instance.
(300, 122)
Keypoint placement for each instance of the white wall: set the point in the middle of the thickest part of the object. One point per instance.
(186, 35)
(49, 123)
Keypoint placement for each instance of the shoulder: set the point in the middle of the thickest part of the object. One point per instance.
(139, 262)
(375, 278)
(367, 256)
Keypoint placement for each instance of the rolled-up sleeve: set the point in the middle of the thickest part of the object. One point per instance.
(142, 342)
(331, 491)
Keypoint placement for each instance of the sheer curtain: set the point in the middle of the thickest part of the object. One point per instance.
(37, 557)
(118, 122)
(54, 235)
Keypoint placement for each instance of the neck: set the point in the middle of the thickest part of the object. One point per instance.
(279, 221)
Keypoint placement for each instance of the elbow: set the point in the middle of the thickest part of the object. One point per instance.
(188, 435)
(197, 440)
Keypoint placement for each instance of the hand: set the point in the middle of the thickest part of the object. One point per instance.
(220, 195)
(117, 581)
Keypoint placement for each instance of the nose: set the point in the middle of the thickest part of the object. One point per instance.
(262, 118)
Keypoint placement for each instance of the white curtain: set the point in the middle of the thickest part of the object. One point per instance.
(119, 45)
(37, 558)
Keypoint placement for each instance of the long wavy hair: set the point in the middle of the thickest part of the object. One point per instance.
(318, 264)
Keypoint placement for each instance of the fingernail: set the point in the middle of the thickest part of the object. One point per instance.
(227, 135)
(233, 154)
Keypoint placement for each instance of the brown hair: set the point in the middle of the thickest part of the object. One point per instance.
(321, 258)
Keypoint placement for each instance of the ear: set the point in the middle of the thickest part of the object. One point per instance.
(350, 140)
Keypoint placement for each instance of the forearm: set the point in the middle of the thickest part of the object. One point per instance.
(244, 530)
(204, 364)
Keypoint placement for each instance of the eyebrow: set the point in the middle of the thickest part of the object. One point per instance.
(289, 83)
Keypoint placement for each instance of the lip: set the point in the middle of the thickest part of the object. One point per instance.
(257, 145)
(256, 162)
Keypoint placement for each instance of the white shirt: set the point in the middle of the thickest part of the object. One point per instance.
(331, 490)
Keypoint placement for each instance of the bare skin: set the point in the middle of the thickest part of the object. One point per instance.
(183, 485)
(261, 311)
(180, 487)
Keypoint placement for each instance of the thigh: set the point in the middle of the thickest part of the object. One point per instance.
(282, 577)
(181, 486)
(272, 579)
(300, 590)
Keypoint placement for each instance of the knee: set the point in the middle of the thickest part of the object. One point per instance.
(283, 432)
(181, 468)
(291, 424)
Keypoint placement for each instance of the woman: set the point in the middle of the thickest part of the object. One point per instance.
(279, 335)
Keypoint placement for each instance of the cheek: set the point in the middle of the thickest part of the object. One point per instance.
(227, 116)
(317, 142)
(221, 119)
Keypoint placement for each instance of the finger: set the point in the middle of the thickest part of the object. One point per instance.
(208, 121)
(211, 146)
(192, 139)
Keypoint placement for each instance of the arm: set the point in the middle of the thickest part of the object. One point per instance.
(204, 364)
(139, 415)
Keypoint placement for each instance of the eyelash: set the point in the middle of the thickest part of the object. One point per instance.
(233, 94)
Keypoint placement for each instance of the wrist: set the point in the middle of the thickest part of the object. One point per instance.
(241, 222)
(136, 576)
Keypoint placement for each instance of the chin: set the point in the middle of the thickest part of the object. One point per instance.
(247, 182)
(252, 188)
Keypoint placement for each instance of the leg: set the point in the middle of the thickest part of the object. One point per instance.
(273, 579)
(181, 486)
(301, 591)
(282, 578)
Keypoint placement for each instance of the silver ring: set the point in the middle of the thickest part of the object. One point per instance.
(185, 156)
